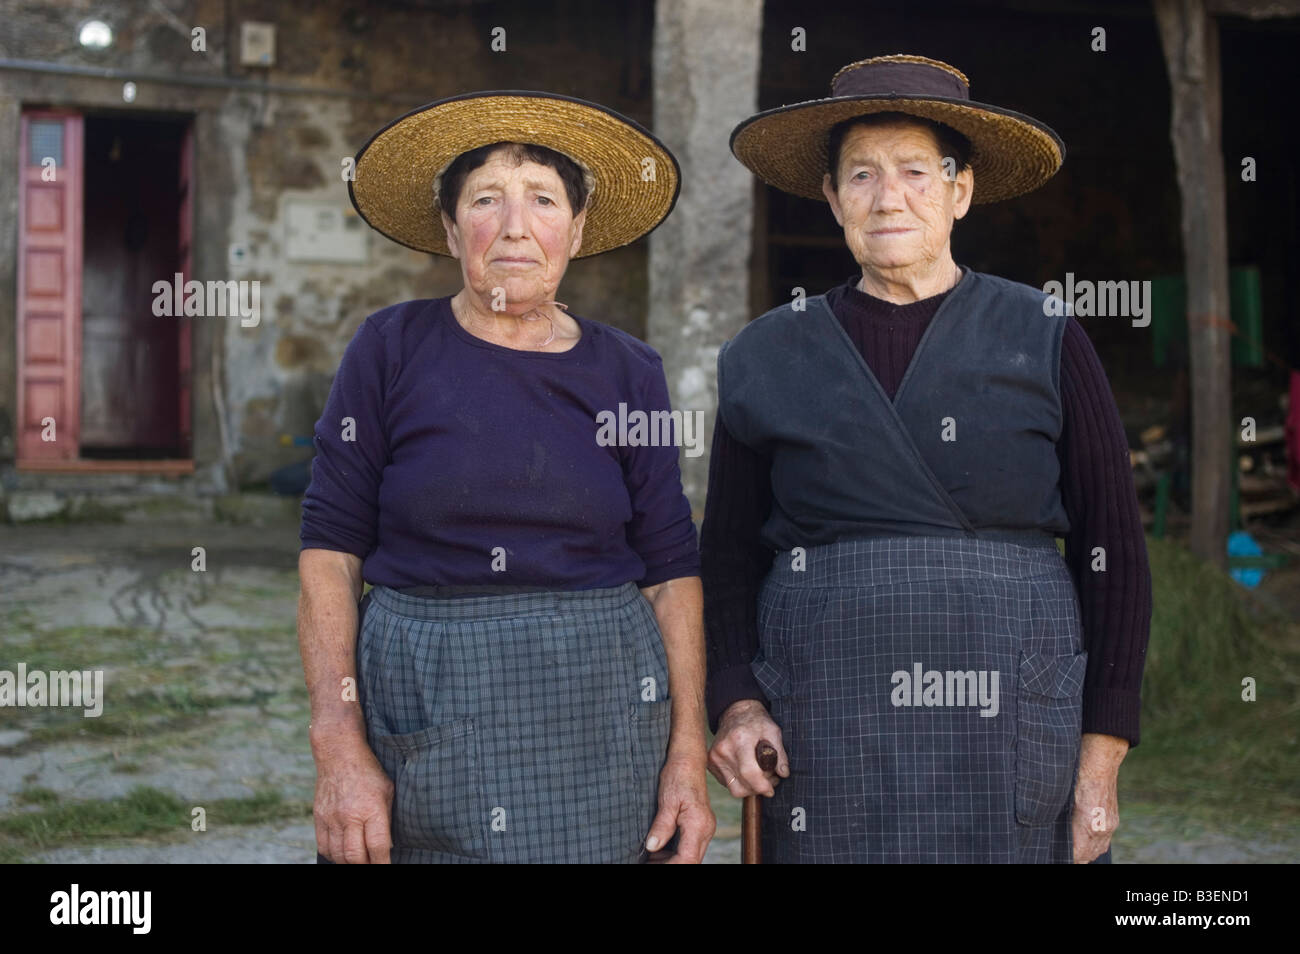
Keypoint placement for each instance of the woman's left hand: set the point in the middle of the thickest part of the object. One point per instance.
(684, 806)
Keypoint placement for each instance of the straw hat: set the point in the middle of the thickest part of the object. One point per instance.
(1010, 152)
(636, 178)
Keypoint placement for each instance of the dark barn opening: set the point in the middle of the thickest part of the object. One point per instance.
(131, 368)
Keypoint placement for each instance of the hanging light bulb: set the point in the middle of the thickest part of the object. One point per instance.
(95, 34)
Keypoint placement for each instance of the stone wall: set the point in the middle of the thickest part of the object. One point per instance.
(265, 136)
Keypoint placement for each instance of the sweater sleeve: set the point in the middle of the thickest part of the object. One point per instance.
(340, 509)
(734, 562)
(1101, 503)
(661, 530)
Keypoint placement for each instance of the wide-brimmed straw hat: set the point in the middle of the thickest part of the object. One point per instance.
(636, 178)
(1010, 153)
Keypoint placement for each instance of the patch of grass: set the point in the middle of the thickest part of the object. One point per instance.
(142, 813)
(173, 709)
(10, 853)
(19, 620)
(72, 647)
(37, 796)
(1205, 753)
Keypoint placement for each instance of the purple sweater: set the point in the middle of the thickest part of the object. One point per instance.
(472, 464)
(1096, 489)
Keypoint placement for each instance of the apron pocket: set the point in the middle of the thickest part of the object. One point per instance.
(771, 678)
(1049, 723)
(652, 722)
(436, 799)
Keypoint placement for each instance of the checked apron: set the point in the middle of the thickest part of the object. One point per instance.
(522, 727)
(927, 675)
(875, 782)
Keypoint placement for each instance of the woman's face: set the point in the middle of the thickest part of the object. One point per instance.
(894, 202)
(514, 232)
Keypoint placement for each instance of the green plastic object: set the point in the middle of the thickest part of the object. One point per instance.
(1248, 315)
(1246, 310)
(1162, 505)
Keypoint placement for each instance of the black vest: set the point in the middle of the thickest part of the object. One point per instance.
(968, 446)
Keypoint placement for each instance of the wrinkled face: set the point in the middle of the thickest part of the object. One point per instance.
(514, 231)
(893, 201)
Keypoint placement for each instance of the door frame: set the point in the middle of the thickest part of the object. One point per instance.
(71, 337)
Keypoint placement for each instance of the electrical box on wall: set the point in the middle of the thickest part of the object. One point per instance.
(323, 231)
(257, 44)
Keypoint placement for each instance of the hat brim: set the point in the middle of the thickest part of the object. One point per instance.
(1011, 154)
(637, 177)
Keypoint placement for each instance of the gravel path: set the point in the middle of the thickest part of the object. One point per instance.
(204, 696)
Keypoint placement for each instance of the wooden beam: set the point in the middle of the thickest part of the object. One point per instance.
(1190, 39)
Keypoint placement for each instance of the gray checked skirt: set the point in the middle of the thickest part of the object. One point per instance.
(527, 727)
(879, 660)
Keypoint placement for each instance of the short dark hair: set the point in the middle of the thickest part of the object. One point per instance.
(951, 142)
(570, 173)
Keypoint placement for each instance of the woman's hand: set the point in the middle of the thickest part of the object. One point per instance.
(678, 606)
(353, 795)
(354, 799)
(683, 805)
(1096, 795)
(732, 761)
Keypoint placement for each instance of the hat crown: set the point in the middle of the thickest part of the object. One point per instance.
(900, 75)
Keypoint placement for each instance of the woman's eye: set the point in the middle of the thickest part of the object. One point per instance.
(545, 200)
(483, 198)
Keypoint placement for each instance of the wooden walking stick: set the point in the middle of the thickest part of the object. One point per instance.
(751, 819)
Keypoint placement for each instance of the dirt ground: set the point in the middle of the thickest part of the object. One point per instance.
(205, 697)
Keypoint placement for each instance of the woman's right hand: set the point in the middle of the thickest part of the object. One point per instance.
(354, 799)
(731, 759)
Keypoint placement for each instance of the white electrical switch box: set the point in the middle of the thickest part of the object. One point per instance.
(323, 231)
(257, 44)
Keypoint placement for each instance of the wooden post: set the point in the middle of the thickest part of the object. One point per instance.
(1190, 39)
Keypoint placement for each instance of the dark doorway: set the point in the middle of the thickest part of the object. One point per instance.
(131, 387)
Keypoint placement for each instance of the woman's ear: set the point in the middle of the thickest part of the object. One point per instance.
(965, 186)
(579, 221)
(828, 190)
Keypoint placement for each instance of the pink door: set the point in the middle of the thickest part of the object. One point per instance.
(49, 285)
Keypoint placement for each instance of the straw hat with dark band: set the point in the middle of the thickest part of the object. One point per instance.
(787, 147)
(395, 171)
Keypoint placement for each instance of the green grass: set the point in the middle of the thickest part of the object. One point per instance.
(1206, 754)
(36, 796)
(136, 653)
(144, 812)
(174, 708)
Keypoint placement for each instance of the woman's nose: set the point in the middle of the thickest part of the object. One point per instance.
(515, 224)
(889, 196)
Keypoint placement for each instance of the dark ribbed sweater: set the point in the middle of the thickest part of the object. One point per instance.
(1096, 490)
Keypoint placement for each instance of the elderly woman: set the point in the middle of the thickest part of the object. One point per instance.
(884, 597)
(524, 680)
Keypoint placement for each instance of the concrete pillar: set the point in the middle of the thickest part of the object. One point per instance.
(706, 60)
